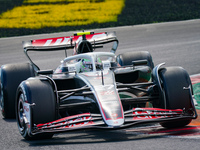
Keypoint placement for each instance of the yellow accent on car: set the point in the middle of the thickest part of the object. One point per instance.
(83, 33)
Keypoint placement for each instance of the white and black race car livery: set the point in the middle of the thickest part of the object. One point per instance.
(93, 90)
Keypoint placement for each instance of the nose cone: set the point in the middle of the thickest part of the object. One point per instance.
(110, 105)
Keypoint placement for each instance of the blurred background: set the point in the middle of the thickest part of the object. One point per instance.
(25, 17)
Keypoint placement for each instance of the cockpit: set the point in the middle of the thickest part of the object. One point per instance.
(87, 62)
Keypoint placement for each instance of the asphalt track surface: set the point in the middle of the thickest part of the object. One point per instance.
(176, 43)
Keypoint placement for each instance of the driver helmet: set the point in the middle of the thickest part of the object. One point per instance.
(82, 47)
(86, 65)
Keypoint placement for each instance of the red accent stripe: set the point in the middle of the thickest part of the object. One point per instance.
(41, 42)
(157, 109)
(63, 119)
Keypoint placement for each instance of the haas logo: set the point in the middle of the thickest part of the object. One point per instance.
(107, 92)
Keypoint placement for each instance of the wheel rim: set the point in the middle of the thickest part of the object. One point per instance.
(20, 113)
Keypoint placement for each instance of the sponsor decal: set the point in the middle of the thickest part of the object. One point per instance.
(115, 122)
(115, 115)
(111, 92)
(65, 40)
(26, 108)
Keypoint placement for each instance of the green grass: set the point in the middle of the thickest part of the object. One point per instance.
(135, 12)
(196, 89)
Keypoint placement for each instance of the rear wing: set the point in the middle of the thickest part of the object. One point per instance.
(69, 42)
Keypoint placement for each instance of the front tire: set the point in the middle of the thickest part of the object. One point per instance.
(41, 93)
(174, 79)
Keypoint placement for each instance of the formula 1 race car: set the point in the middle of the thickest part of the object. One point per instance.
(93, 90)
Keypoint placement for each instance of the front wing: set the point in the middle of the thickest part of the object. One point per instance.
(95, 121)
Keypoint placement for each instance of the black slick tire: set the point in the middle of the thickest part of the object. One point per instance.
(127, 58)
(174, 79)
(11, 76)
(41, 93)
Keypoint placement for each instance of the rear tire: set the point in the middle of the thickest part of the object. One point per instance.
(11, 76)
(127, 58)
(41, 93)
(173, 80)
